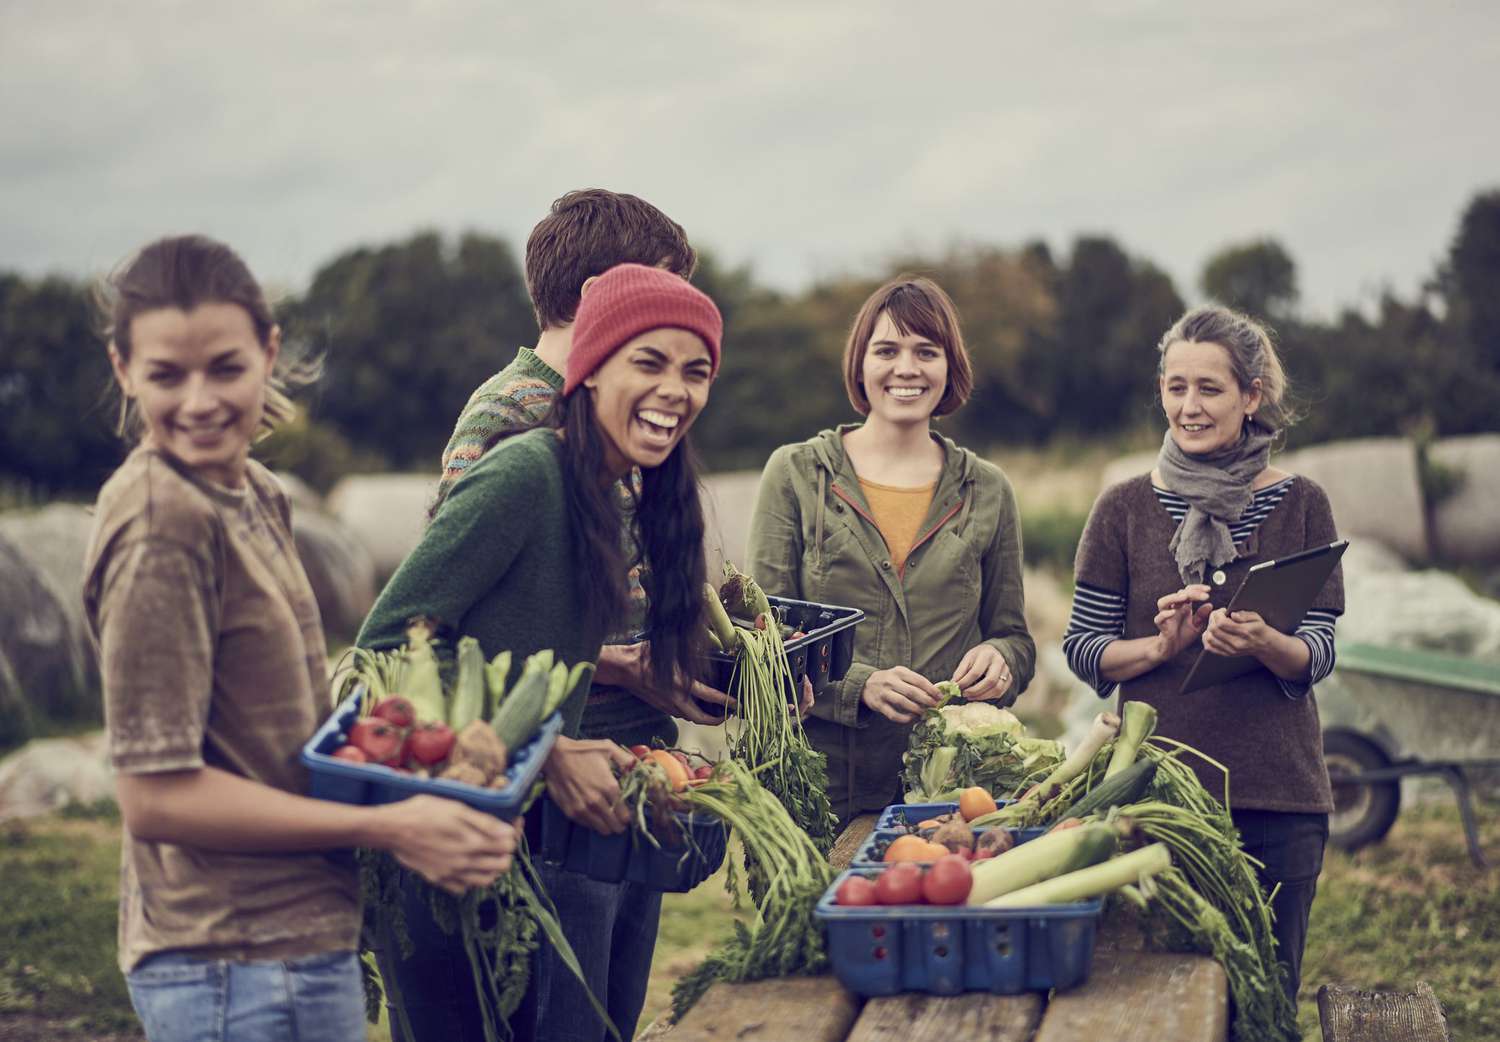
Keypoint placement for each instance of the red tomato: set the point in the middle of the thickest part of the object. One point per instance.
(378, 740)
(901, 884)
(640, 752)
(856, 890)
(430, 744)
(396, 711)
(706, 771)
(948, 881)
(681, 758)
(980, 855)
(351, 753)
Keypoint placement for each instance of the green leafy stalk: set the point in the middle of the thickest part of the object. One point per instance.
(785, 938)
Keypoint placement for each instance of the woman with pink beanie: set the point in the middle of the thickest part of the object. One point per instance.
(525, 553)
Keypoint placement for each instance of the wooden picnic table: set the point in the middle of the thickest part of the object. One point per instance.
(1130, 996)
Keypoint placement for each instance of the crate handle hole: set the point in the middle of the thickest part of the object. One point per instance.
(877, 932)
(880, 953)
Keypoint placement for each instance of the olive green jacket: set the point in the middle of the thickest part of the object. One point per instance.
(813, 538)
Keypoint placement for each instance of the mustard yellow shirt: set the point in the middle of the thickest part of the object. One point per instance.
(898, 513)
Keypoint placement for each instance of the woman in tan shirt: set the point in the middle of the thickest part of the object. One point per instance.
(237, 919)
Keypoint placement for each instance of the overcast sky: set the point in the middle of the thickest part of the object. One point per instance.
(807, 139)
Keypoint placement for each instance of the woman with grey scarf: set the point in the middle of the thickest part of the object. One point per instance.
(1159, 560)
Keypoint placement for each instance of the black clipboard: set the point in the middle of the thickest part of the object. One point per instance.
(1280, 591)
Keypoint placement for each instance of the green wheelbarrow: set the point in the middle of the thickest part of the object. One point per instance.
(1393, 713)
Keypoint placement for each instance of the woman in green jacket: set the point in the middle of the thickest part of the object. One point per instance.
(891, 517)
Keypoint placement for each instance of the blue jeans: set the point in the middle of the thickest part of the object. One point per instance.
(612, 930)
(180, 998)
(1291, 847)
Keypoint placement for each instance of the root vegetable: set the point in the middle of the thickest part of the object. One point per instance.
(994, 841)
(479, 747)
(955, 835)
(464, 772)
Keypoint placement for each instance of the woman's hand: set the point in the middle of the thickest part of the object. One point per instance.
(448, 844)
(1181, 618)
(1243, 633)
(582, 781)
(629, 666)
(899, 694)
(805, 703)
(983, 673)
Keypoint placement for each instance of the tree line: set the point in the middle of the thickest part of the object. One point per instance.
(1063, 346)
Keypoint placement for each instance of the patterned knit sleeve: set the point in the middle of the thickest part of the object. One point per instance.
(493, 412)
(1097, 621)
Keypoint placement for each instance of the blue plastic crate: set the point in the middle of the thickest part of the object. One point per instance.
(911, 813)
(867, 857)
(628, 856)
(948, 949)
(367, 783)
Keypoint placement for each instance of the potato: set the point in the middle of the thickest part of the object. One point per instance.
(996, 841)
(478, 746)
(464, 772)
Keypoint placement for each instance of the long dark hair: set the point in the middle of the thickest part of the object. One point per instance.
(668, 535)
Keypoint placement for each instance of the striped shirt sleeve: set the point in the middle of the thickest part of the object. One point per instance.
(1316, 631)
(1097, 621)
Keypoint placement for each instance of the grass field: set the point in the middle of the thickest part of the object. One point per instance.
(1412, 908)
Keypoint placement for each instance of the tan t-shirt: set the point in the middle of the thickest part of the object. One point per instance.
(212, 654)
(898, 513)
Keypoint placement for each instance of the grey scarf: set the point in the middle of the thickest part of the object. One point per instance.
(1217, 489)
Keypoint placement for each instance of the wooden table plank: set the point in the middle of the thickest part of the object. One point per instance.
(849, 840)
(1142, 997)
(1355, 1015)
(941, 1018)
(807, 1009)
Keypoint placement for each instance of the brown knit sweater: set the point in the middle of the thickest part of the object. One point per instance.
(1271, 744)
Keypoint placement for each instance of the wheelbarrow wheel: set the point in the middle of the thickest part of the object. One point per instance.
(1362, 814)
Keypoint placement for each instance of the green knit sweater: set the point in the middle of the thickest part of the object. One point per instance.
(496, 564)
(515, 399)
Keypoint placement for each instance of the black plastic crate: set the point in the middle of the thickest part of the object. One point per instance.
(629, 857)
(824, 653)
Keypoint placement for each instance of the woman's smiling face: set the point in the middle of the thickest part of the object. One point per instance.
(904, 374)
(648, 393)
(198, 379)
(1204, 404)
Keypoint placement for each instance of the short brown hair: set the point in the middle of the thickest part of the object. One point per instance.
(917, 305)
(588, 232)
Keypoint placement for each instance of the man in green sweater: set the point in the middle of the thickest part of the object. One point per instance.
(584, 235)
